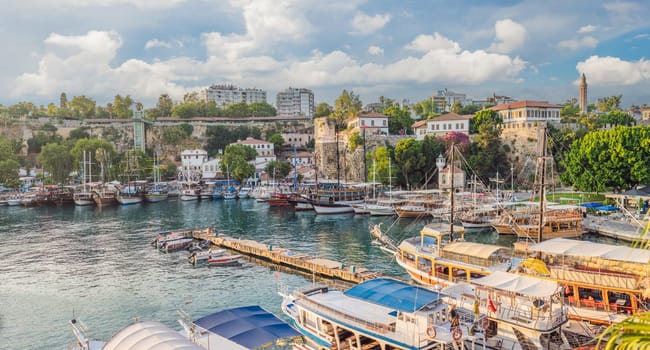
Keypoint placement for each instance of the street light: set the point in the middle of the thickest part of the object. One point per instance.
(440, 164)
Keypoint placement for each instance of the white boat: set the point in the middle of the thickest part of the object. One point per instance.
(380, 210)
(189, 194)
(229, 194)
(360, 208)
(224, 260)
(332, 208)
(202, 256)
(14, 200)
(131, 193)
(244, 192)
(381, 313)
(516, 312)
(158, 191)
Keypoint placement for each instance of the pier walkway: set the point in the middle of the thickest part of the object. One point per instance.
(281, 256)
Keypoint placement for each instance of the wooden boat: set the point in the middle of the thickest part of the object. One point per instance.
(105, 195)
(279, 200)
(131, 193)
(156, 194)
(602, 283)
(412, 211)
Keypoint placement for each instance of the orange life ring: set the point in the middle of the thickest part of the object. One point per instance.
(457, 333)
(431, 332)
(485, 323)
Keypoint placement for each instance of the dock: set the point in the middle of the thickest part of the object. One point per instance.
(313, 265)
(617, 229)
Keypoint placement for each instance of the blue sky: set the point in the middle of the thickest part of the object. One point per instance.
(399, 49)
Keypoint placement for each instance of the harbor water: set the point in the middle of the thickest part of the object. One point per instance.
(97, 265)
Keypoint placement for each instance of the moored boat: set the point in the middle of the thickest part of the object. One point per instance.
(202, 256)
(412, 211)
(381, 313)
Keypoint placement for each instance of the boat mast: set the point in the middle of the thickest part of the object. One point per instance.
(451, 194)
(542, 185)
(338, 168)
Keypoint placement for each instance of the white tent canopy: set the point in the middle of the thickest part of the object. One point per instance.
(563, 246)
(149, 336)
(524, 285)
(479, 250)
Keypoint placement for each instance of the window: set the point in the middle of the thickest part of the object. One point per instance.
(384, 122)
(372, 123)
(363, 122)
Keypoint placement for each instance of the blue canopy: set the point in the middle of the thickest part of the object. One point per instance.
(394, 294)
(591, 204)
(248, 326)
(606, 208)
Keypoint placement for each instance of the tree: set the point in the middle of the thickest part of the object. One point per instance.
(277, 169)
(382, 163)
(469, 109)
(169, 170)
(164, 106)
(614, 118)
(400, 120)
(82, 107)
(277, 141)
(410, 160)
(456, 107)
(57, 161)
(322, 110)
(63, 101)
(355, 141)
(347, 106)
(218, 137)
(485, 118)
(122, 107)
(79, 133)
(9, 173)
(96, 149)
(7, 151)
(186, 110)
(261, 109)
(610, 103)
(40, 139)
(235, 161)
(618, 159)
(425, 109)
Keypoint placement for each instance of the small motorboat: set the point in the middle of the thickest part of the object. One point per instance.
(201, 257)
(224, 260)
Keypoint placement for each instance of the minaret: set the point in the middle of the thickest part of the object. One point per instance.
(583, 94)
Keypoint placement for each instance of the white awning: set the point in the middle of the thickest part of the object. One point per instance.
(149, 336)
(524, 285)
(479, 250)
(563, 246)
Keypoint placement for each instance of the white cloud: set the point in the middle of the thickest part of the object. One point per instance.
(375, 50)
(510, 36)
(587, 29)
(270, 20)
(621, 7)
(614, 71)
(157, 43)
(426, 43)
(364, 24)
(575, 44)
(145, 4)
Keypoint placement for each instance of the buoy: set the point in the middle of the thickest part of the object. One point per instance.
(457, 333)
(431, 332)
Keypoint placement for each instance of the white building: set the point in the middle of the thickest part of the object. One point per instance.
(442, 125)
(191, 164)
(527, 113)
(225, 94)
(265, 153)
(373, 123)
(211, 169)
(295, 102)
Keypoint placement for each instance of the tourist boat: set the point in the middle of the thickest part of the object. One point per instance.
(154, 335)
(382, 208)
(437, 258)
(190, 194)
(515, 312)
(602, 283)
(240, 328)
(230, 194)
(381, 313)
(14, 200)
(105, 195)
(279, 200)
(131, 193)
(157, 191)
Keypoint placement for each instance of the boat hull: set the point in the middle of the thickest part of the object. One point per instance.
(332, 208)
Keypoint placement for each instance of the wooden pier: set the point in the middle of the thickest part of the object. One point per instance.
(280, 256)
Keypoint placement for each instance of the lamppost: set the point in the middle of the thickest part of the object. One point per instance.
(440, 164)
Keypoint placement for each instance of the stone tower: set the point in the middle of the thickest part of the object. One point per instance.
(583, 94)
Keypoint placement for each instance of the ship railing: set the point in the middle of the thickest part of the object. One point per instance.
(529, 316)
(372, 326)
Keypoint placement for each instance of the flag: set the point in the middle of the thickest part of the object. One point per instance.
(491, 305)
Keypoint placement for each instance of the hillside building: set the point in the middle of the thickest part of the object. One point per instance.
(295, 102)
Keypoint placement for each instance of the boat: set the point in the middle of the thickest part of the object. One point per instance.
(515, 312)
(412, 211)
(382, 208)
(14, 200)
(28, 199)
(437, 258)
(224, 260)
(200, 257)
(83, 196)
(157, 191)
(139, 335)
(175, 244)
(241, 328)
(130, 193)
(333, 207)
(381, 313)
(244, 192)
(360, 208)
(230, 193)
(190, 194)
(603, 283)
(300, 203)
(105, 195)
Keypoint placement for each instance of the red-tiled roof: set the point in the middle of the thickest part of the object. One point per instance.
(524, 104)
(373, 115)
(451, 116)
(419, 124)
(252, 141)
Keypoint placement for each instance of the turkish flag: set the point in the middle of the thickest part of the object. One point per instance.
(491, 305)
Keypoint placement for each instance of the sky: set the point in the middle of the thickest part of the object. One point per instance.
(399, 49)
